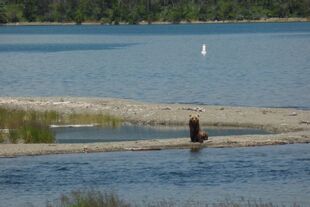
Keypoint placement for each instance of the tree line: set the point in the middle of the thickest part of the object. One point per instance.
(135, 11)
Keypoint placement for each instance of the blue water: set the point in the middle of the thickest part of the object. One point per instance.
(278, 174)
(133, 132)
(246, 64)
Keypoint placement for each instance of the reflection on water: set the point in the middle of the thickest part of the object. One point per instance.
(134, 132)
(279, 174)
(196, 149)
(60, 47)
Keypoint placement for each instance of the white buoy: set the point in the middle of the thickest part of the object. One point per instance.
(204, 50)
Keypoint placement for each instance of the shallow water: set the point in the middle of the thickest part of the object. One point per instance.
(246, 64)
(134, 132)
(279, 174)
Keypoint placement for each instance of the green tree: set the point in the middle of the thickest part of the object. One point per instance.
(134, 16)
(42, 11)
(191, 12)
(88, 9)
(134, 11)
(116, 12)
(173, 14)
(79, 17)
(14, 12)
(57, 12)
(3, 16)
(30, 9)
(137, 13)
(71, 7)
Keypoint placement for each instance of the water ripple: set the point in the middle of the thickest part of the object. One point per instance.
(280, 175)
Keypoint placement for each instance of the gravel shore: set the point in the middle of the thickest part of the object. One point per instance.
(290, 125)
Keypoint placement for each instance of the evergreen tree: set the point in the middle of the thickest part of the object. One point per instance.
(30, 9)
(134, 11)
(42, 12)
(3, 16)
(14, 12)
(79, 17)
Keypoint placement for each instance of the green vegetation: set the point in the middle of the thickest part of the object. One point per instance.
(31, 126)
(92, 198)
(28, 126)
(135, 11)
(84, 118)
(3, 17)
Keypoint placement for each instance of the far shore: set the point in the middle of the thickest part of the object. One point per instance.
(265, 20)
(289, 126)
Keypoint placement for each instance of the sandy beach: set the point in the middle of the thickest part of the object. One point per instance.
(289, 125)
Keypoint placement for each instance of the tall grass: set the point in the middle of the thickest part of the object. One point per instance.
(30, 126)
(84, 118)
(92, 198)
(32, 132)
(26, 126)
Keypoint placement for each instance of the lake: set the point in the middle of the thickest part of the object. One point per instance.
(263, 65)
(278, 174)
(246, 64)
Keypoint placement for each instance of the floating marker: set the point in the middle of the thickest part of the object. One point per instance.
(204, 50)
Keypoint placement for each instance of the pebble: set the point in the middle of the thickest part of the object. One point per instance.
(304, 122)
(197, 109)
(166, 108)
(293, 114)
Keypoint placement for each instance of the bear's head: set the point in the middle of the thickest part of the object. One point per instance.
(194, 120)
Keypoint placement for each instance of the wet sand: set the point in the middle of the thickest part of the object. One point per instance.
(290, 125)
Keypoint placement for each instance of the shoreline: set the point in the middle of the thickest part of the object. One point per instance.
(291, 125)
(16, 150)
(266, 20)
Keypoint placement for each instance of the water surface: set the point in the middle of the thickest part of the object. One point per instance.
(135, 132)
(279, 174)
(246, 64)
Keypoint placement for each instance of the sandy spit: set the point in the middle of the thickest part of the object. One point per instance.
(291, 125)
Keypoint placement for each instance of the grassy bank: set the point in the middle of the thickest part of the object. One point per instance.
(93, 198)
(30, 126)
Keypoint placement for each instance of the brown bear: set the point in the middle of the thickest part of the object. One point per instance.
(196, 134)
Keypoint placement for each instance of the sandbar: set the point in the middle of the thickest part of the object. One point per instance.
(288, 125)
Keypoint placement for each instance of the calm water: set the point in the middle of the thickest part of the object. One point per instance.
(280, 174)
(133, 132)
(246, 64)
